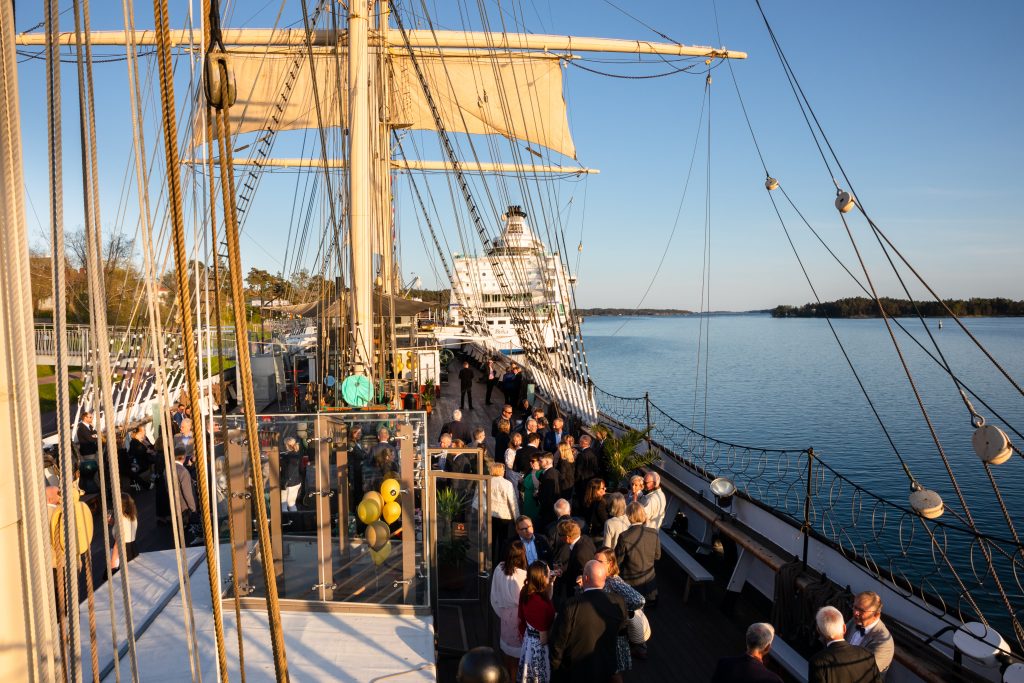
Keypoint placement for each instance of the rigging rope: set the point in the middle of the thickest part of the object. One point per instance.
(245, 370)
(174, 197)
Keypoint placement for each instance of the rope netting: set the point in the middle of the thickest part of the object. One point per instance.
(942, 562)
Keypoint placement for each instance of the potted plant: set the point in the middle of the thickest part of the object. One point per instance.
(620, 455)
(452, 543)
(429, 395)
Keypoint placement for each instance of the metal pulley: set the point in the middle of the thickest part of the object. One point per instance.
(845, 201)
(771, 184)
(217, 69)
(991, 444)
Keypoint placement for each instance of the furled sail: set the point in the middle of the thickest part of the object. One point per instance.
(511, 94)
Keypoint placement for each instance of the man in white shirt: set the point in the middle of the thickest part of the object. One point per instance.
(654, 500)
(867, 630)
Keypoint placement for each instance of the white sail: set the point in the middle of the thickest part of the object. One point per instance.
(514, 95)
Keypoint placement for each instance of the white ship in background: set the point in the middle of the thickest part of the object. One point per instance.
(539, 280)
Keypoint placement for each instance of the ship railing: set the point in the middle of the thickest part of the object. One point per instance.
(938, 562)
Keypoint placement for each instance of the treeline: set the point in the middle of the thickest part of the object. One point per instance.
(631, 311)
(861, 307)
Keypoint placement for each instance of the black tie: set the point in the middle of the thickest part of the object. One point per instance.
(863, 631)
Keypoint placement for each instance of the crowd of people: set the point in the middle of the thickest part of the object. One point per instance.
(575, 556)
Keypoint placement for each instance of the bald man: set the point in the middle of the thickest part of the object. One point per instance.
(583, 635)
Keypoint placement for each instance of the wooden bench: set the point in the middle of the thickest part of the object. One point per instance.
(695, 572)
(789, 659)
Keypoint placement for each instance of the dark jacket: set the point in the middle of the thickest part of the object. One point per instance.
(636, 551)
(547, 495)
(587, 468)
(87, 440)
(522, 461)
(841, 662)
(743, 669)
(581, 553)
(566, 478)
(466, 378)
(583, 637)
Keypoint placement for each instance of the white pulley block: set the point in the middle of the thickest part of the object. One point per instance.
(980, 642)
(991, 444)
(927, 503)
(1014, 673)
(771, 184)
(845, 202)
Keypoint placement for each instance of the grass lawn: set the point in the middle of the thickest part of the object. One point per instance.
(48, 395)
(215, 364)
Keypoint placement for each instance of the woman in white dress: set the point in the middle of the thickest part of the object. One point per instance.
(505, 591)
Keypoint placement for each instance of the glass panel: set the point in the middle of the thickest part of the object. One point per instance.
(317, 469)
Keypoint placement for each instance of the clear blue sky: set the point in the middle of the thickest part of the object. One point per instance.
(922, 102)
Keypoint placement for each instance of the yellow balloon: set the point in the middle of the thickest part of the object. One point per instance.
(377, 535)
(375, 497)
(389, 489)
(368, 511)
(392, 512)
(379, 556)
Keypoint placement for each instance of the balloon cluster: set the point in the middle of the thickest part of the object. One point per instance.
(377, 511)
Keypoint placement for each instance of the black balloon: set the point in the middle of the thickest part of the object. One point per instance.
(481, 665)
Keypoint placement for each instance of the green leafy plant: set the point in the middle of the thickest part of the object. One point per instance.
(451, 550)
(429, 393)
(620, 452)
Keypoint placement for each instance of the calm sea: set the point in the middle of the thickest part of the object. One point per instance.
(784, 383)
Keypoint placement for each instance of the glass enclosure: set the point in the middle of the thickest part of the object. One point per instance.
(344, 497)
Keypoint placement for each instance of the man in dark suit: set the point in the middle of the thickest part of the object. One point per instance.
(581, 550)
(583, 634)
(457, 428)
(749, 668)
(637, 550)
(466, 385)
(506, 414)
(839, 662)
(536, 547)
(563, 512)
(531, 447)
(547, 494)
(587, 467)
(88, 440)
(553, 437)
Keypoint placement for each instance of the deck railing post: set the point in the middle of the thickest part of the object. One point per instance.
(647, 409)
(806, 528)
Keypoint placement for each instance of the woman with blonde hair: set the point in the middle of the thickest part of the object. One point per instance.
(617, 520)
(566, 470)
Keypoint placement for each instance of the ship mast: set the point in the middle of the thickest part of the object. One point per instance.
(360, 170)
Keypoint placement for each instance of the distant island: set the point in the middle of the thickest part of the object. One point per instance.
(666, 312)
(861, 307)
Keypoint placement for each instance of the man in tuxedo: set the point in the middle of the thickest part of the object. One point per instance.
(506, 414)
(536, 547)
(563, 512)
(581, 550)
(839, 662)
(583, 635)
(88, 440)
(466, 385)
(749, 668)
(867, 630)
(481, 440)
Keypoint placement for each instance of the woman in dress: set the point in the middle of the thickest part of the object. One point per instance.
(129, 529)
(536, 613)
(617, 520)
(506, 588)
(531, 486)
(595, 510)
(634, 602)
(566, 470)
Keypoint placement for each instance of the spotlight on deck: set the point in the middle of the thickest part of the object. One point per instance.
(723, 490)
(981, 643)
(925, 502)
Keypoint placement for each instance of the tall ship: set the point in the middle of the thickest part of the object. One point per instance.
(309, 527)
